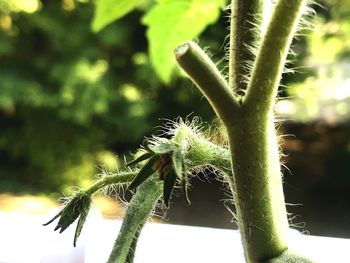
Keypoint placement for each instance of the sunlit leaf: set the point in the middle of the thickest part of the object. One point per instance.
(145, 172)
(172, 22)
(168, 186)
(109, 10)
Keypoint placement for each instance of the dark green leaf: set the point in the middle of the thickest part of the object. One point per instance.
(168, 186)
(145, 172)
(109, 10)
(185, 189)
(81, 222)
(141, 158)
(69, 214)
(53, 219)
(148, 149)
(179, 169)
(178, 163)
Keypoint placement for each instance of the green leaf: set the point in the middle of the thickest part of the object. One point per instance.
(185, 189)
(168, 186)
(81, 222)
(178, 163)
(172, 22)
(141, 158)
(162, 148)
(109, 10)
(145, 172)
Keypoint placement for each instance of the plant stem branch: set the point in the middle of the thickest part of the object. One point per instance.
(246, 18)
(271, 58)
(139, 210)
(203, 72)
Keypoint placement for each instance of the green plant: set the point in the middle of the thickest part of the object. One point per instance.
(250, 164)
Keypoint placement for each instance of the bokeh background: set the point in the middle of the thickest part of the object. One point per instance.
(74, 102)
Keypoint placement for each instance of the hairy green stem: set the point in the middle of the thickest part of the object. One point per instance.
(204, 152)
(120, 178)
(246, 19)
(259, 194)
(259, 199)
(203, 72)
(271, 58)
(132, 249)
(139, 210)
(257, 181)
(200, 151)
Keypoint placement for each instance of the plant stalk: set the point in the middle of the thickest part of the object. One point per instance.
(259, 199)
(257, 180)
(120, 178)
(139, 210)
(271, 57)
(261, 212)
(246, 19)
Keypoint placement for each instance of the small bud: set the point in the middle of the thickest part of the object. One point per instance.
(77, 207)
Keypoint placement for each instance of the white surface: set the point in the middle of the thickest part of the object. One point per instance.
(24, 239)
(160, 243)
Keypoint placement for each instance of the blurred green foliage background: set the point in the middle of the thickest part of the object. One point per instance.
(73, 101)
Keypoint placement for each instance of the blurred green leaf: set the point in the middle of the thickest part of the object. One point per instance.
(172, 22)
(109, 10)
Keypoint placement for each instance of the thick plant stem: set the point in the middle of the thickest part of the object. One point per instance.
(259, 199)
(139, 209)
(259, 195)
(257, 181)
(246, 18)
